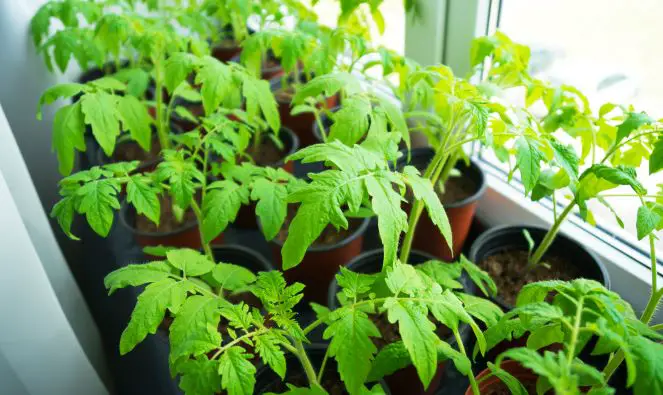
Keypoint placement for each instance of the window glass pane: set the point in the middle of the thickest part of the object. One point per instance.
(394, 20)
(611, 51)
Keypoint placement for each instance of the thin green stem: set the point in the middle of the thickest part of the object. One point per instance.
(657, 327)
(623, 143)
(306, 363)
(323, 365)
(550, 236)
(238, 340)
(312, 326)
(321, 127)
(461, 348)
(199, 217)
(576, 330)
(161, 132)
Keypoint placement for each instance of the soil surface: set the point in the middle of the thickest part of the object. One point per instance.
(390, 333)
(168, 222)
(268, 154)
(130, 151)
(329, 235)
(508, 270)
(457, 189)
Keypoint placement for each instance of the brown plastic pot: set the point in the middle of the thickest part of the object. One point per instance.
(187, 236)
(427, 236)
(493, 383)
(321, 263)
(266, 73)
(301, 123)
(405, 381)
(226, 53)
(246, 217)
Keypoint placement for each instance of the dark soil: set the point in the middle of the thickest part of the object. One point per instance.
(457, 189)
(168, 222)
(390, 333)
(284, 95)
(508, 270)
(130, 151)
(331, 382)
(502, 389)
(329, 236)
(267, 154)
(227, 43)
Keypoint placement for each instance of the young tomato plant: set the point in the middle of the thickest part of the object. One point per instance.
(560, 319)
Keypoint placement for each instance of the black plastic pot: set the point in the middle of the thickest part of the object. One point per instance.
(427, 236)
(509, 238)
(321, 263)
(268, 381)
(326, 123)
(405, 381)
(267, 73)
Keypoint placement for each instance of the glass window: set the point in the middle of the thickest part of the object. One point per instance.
(610, 50)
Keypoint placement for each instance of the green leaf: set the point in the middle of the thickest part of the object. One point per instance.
(194, 330)
(423, 190)
(267, 346)
(391, 358)
(136, 120)
(392, 220)
(620, 175)
(237, 372)
(480, 48)
(633, 121)
(136, 274)
(354, 284)
(191, 262)
(178, 67)
(511, 382)
(68, 135)
(647, 221)
(567, 159)
(418, 335)
(272, 206)
(136, 79)
(648, 362)
(221, 205)
(444, 274)
(98, 200)
(479, 277)
(351, 121)
(64, 211)
(537, 292)
(108, 84)
(528, 158)
(656, 157)
(327, 85)
(352, 347)
(150, 310)
(258, 94)
(144, 196)
(182, 175)
(545, 336)
(100, 113)
(216, 81)
(56, 92)
(481, 308)
(232, 277)
(200, 377)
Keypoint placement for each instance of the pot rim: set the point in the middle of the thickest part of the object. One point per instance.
(497, 230)
(264, 70)
(125, 210)
(481, 190)
(293, 147)
(361, 229)
(244, 250)
(507, 365)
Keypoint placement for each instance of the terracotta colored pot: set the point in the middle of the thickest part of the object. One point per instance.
(493, 383)
(461, 214)
(267, 73)
(188, 236)
(321, 263)
(301, 123)
(226, 53)
(509, 238)
(246, 218)
(405, 381)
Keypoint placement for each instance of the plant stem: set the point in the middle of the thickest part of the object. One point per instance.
(622, 143)
(657, 327)
(306, 363)
(550, 236)
(161, 133)
(461, 348)
(576, 330)
(312, 326)
(321, 127)
(199, 218)
(324, 364)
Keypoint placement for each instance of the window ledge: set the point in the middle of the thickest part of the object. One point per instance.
(505, 204)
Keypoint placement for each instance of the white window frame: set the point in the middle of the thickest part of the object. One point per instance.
(447, 28)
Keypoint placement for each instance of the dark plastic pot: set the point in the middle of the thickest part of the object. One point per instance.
(493, 384)
(267, 73)
(326, 123)
(405, 381)
(268, 381)
(510, 238)
(321, 263)
(187, 236)
(461, 214)
(301, 123)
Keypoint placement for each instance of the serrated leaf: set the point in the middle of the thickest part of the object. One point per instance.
(200, 377)
(656, 157)
(647, 221)
(60, 91)
(528, 160)
(267, 346)
(352, 347)
(177, 68)
(150, 310)
(258, 94)
(511, 382)
(232, 277)
(182, 176)
(567, 159)
(215, 79)
(64, 211)
(327, 85)
(221, 205)
(237, 372)
(392, 220)
(98, 200)
(68, 135)
(481, 308)
(351, 121)
(136, 120)
(144, 197)
(272, 206)
(545, 336)
(109, 84)
(418, 335)
(354, 284)
(648, 360)
(479, 277)
(136, 274)
(100, 113)
(189, 261)
(194, 330)
(633, 121)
